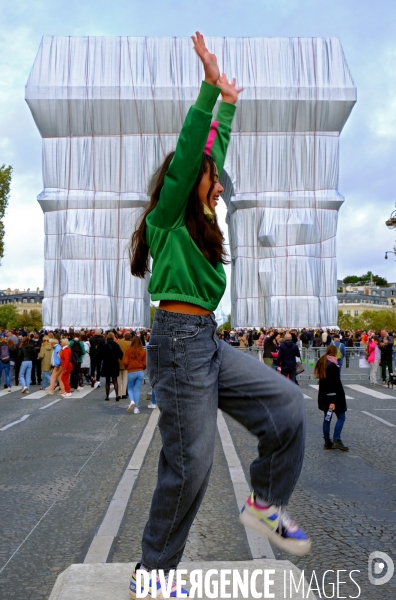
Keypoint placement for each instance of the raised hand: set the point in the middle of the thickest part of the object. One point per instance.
(208, 60)
(229, 91)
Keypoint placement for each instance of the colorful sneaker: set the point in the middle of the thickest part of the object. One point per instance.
(275, 523)
(159, 595)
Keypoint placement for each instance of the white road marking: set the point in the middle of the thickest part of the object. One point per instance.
(14, 388)
(14, 423)
(50, 404)
(378, 418)
(102, 542)
(370, 392)
(316, 387)
(259, 544)
(35, 395)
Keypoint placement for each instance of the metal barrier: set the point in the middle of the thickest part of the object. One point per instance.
(351, 369)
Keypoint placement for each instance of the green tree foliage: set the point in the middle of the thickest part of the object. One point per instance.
(5, 183)
(364, 279)
(227, 325)
(8, 316)
(153, 308)
(351, 279)
(11, 319)
(374, 320)
(31, 320)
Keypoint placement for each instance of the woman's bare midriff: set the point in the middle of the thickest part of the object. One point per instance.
(186, 308)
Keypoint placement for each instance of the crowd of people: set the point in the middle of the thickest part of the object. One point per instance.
(379, 347)
(64, 362)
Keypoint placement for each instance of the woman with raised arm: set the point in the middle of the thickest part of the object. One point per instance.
(192, 372)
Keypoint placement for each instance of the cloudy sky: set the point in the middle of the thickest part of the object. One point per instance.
(367, 31)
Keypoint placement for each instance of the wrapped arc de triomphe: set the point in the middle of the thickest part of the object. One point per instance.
(110, 108)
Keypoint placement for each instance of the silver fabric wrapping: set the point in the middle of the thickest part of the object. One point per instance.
(110, 108)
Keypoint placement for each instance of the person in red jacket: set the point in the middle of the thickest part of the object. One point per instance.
(67, 366)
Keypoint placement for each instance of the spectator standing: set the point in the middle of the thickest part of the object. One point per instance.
(5, 359)
(341, 352)
(324, 338)
(15, 359)
(385, 343)
(288, 352)
(331, 396)
(304, 337)
(317, 343)
(124, 344)
(28, 355)
(45, 357)
(260, 345)
(57, 368)
(96, 343)
(35, 343)
(86, 361)
(271, 348)
(77, 352)
(373, 358)
(111, 355)
(135, 363)
(67, 366)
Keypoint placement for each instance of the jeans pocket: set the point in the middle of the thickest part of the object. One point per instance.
(185, 333)
(153, 363)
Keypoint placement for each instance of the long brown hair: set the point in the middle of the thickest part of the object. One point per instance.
(205, 233)
(321, 364)
(136, 344)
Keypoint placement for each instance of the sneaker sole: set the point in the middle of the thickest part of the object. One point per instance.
(130, 409)
(298, 548)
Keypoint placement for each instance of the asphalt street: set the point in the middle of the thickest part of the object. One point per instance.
(62, 462)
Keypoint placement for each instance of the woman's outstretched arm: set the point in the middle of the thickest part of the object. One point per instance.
(184, 168)
(220, 129)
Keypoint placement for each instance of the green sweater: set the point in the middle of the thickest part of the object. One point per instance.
(180, 271)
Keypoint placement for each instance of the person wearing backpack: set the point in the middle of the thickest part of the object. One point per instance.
(77, 352)
(5, 358)
(341, 352)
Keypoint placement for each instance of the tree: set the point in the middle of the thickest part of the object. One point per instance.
(351, 279)
(227, 325)
(8, 316)
(364, 279)
(31, 320)
(5, 183)
(153, 308)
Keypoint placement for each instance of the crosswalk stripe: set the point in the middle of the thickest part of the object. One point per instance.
(259, 544)
(378, 419)
(370, 392)
(14, 388)
(35, 395)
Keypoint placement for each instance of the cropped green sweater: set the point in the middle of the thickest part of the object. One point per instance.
(179, 270)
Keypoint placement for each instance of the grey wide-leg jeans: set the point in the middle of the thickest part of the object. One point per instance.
(193, 374)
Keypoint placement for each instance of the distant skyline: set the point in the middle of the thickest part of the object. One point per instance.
(367, 144)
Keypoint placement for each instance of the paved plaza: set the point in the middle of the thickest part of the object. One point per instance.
(76, 477)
